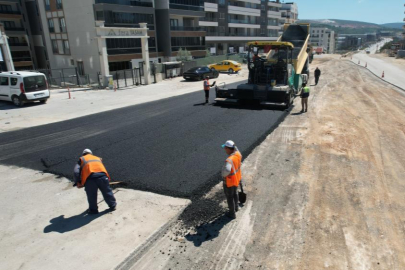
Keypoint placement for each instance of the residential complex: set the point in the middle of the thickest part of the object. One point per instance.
(354, 41)
(289, 13)
(323, 38)
(13, 16)
(57, 34)
(229, 25)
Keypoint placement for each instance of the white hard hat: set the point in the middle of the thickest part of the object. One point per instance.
(87, 151)
(229, 144)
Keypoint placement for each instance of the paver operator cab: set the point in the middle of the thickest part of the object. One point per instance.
(274, 79)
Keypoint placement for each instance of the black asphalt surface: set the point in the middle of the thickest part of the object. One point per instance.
(170, 146)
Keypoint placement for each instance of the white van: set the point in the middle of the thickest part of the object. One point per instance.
(21, 87)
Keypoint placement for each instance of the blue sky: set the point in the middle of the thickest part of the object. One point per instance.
(374, 11)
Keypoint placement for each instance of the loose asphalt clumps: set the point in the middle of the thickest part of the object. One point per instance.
(171, 146)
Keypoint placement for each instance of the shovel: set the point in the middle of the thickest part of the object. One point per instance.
(241, 194)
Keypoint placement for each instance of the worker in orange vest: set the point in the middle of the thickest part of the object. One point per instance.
(207, 88)
(232, 175)
(91, 174)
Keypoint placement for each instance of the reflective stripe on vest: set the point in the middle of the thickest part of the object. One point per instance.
(306, 90)
(233, 179)
(91, 164)
(207, 85)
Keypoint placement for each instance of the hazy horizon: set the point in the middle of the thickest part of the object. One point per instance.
(371, 11)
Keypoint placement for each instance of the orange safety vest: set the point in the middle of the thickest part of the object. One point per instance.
(91, 164)
(207, 85)
(233, 179)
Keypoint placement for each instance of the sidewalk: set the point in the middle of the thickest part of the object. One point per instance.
(43, 224)
(85, 102)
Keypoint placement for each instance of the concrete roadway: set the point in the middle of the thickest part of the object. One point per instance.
(392, 74)
(170, 147)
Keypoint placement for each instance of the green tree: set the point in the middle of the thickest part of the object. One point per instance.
(183, 55)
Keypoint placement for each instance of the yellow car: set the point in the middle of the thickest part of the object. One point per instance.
(227, 66)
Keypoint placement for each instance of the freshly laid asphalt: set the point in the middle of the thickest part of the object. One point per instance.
(170, 146)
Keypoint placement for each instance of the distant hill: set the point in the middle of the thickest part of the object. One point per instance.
(351, 27)
(393, 25)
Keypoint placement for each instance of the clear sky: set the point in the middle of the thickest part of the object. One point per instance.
(374, 11)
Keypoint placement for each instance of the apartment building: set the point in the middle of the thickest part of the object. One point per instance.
(324, 38)
(65, 36)
(229, 25)
(13, 16)
(289, 13)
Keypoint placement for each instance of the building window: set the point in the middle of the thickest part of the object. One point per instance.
(47, 5)
(62, 25)
(51, 26)
(6, 9)
(132, 18)
(174, 22)
(221, 2)
(100, 15)
(222, 15)
(55, 48)
(9, 25)
(66, 47)
(59, 4)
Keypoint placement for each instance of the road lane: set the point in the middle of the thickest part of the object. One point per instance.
(171, 146)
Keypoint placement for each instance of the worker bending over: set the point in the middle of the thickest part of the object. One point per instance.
(207, 88)
(91, 174)
(304, 97)
(232, 175)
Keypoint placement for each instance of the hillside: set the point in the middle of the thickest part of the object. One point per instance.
(350, 27)
(393, 25)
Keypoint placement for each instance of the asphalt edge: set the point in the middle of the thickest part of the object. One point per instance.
(134, 256)
(139, 251)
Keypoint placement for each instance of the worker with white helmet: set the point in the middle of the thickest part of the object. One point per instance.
(232, 175)
(91, 174)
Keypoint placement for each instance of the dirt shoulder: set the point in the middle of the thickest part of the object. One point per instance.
(325, 189)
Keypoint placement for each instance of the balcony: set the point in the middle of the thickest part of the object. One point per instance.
(273, 14)
(15, 29)
(186, 28)
(150, 27)
(244, 21)
(208, 22)
(126, 3)
(119, 51)
(243, 11)
(10, 12)
(186, 7)
(20, 59)
(18, 44)
(210, 7)
(274, 4)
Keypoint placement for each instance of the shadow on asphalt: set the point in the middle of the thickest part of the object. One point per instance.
(201, 104)
(250, 106)
(208, 231)
(62, 225)
(5, 106)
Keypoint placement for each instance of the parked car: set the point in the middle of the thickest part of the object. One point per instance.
(22, 87)
(199, 73)
(226, 66)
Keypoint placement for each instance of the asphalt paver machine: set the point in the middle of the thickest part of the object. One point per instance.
(277, 69)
